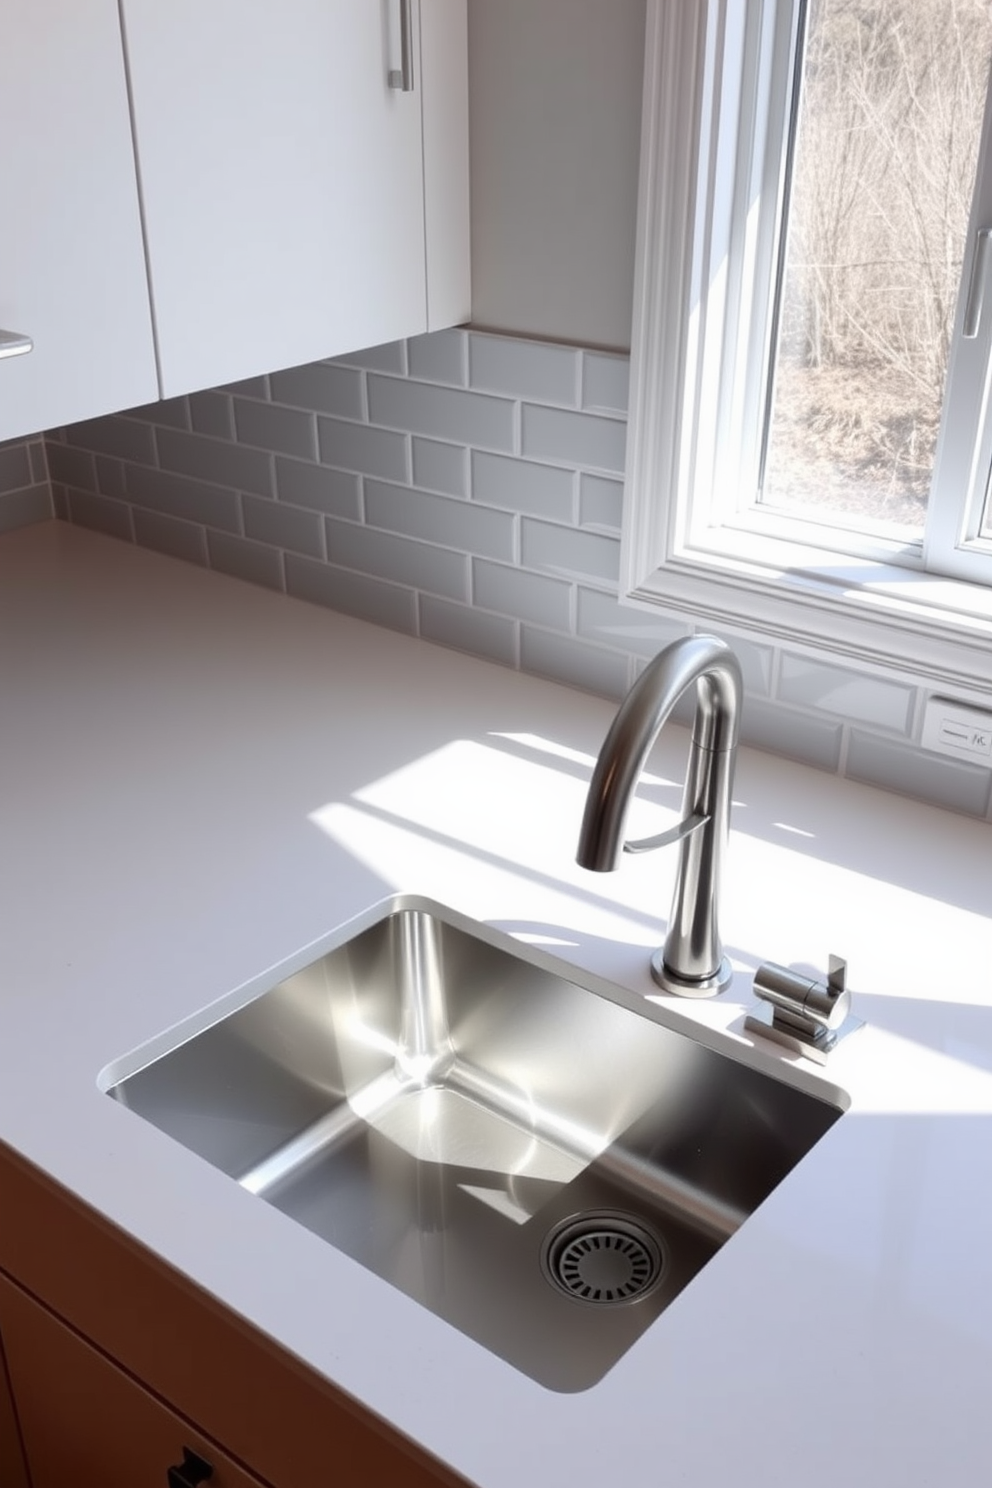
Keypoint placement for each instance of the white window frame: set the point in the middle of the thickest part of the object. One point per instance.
(699, 328)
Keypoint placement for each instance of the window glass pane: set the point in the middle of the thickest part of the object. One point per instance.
(889, 123)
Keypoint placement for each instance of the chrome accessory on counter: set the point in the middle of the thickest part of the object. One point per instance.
(803, 1014)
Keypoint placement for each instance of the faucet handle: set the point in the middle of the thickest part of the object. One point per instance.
(807, 1015)
(803, 1001)
(830, 1004)
(665, 839)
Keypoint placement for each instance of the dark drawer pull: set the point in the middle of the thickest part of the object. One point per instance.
(191, 1471)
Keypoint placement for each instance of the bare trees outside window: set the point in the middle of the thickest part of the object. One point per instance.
(890, 118)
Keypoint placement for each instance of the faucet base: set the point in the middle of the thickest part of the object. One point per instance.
(670, 981)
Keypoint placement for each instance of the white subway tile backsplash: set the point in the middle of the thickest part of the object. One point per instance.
(605, 382)
(110, 477)
(126, 439)
(522, 486)
(282, 526)
(38, 457)
(463, 486)
(785, 731)
(335, 493)
(73, 467)
(101, 513)
(222, 463)
(567, 660)
(917, 772)
(171, 535)
(256, 562)
(21, 508)
(569, 553)
(440, 467)
(520, 595)
(353, 593)
(286, 431)
(440, 519)
(864, 699)
(757, 663)
(468, 629)
(212, 413)
(600, 618)
(584, 439)
(358, 447)
(441, 357)
(444, 413)
(600, 502)
(178, 496)
(15, 467)
(324, 387)
(398, 559)
(525, 369)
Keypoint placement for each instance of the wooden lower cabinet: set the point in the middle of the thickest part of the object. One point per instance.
(13, 1468)
(85, 1422)
(117, 1362)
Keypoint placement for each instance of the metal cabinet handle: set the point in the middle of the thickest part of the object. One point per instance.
(12, 343)
(402, 77)
(191, 1471)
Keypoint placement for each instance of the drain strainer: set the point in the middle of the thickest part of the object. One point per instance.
(602, 1257)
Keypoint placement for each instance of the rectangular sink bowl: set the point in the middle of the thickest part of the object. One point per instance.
(515, 1145)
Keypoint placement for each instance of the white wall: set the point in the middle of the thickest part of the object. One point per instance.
(555, 98)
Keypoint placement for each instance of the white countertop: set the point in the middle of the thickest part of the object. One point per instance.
(201, 777)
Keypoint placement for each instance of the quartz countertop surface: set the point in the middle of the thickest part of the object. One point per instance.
(202, 778)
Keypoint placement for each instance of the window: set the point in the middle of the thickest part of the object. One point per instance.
(746, 508)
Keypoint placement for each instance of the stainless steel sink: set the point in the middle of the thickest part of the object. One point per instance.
(539, 1164)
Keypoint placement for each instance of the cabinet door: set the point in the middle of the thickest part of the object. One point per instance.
(13, 1471)
(444, 75)
(84, 1421)
(72, 267)
(282, 181)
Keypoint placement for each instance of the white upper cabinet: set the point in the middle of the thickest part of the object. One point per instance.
(295, 205)
(72, 266)
(290, 209)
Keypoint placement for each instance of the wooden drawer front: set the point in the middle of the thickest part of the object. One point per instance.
(295, 1428)
(84, 1422)
(13, 1470)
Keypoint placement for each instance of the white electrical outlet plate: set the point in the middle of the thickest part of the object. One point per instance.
(962, 732)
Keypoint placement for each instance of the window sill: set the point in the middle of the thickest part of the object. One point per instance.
(885, 619)
(898, 621)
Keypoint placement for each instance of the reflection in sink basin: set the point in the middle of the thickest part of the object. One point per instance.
(439, 1102)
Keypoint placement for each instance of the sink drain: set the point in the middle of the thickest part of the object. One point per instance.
(602, 1257)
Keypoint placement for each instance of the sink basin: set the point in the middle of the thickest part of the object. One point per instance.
(514, 1145)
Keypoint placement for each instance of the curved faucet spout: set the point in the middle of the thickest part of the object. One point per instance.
(691, 962)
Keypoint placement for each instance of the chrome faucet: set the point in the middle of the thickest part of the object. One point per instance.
(691, 962)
